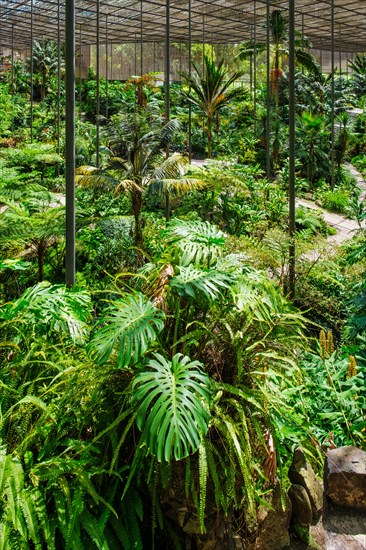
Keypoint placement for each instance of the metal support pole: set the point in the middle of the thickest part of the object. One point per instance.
(292, 137)
(255, 65)
(80, 80)
(340, 51)
(203, 44)
(12, 60)
(190, 72)
(332, 95)
(321, 56)
(70, 139)
(106, 66)
(135, 52)
(251, 66)
(141, 44)
(31, 70)
(97, 140)
(302, 37)
(180, 58)
(58, 85)
(167, 61)
(268, 93)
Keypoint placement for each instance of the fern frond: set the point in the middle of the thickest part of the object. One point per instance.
(203, 474)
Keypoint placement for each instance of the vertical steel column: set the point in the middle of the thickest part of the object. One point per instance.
(80, 80)
(340, 51)
(180, 57)
(97, 141)
(135, 70)
(332, 133)
(141, 44)
(255, 65)
(190, 72)
(167, 61)
(203, 44)
(31, 70)
(302, 37)
(106, 66)
(292, 138)
(268, 94)
(251, 65)
(321, 55)
(70, 139)
(58, 85)
(167, 88)
(12, 59)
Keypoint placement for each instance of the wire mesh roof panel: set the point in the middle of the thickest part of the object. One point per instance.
(212, 21)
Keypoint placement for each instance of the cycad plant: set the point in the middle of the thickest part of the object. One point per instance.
(312, 146)
(138, 141)
(211, 89)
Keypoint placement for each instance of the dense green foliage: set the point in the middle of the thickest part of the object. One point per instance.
(176, 374)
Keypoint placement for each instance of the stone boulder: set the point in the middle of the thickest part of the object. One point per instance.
(301, 505)
(273, 524)
(345, 477)
(302, 515)
(301, 473)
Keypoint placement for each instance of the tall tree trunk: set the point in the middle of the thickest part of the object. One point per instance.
(40, 256)
(43, 87)
(209, 136)
(136, 207)
(167, 207)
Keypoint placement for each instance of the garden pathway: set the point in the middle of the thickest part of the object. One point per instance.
(344, 226)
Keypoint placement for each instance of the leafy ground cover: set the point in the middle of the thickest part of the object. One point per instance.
(176, 374)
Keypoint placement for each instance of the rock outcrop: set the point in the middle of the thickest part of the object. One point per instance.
(345, 477)
(301, 473)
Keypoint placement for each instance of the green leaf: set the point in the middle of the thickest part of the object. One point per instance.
(172, 398)
(129, 326)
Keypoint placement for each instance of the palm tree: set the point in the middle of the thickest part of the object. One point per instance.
(279, 46)
(358, 65)
(139, 142)
(211, 90)
(45, 61)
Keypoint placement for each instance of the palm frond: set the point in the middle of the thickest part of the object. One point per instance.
(90, 176)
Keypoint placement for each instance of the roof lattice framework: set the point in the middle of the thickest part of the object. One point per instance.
(218, 21)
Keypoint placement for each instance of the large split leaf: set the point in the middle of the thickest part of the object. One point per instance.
(173, 410)
(129, 326)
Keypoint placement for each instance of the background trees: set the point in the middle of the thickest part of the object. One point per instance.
(211, 89)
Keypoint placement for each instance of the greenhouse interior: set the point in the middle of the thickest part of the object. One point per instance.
(183, 274)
